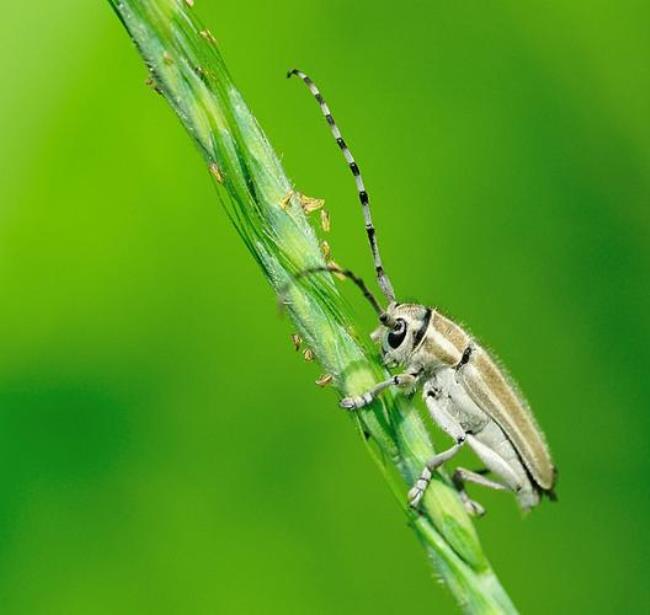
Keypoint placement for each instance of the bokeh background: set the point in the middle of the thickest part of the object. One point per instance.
(162, 447)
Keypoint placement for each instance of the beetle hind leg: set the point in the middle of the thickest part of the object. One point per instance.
(462, 476)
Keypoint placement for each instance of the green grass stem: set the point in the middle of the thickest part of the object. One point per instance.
(187, 68)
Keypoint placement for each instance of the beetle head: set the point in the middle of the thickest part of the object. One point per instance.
(403, 328)
(403, 325)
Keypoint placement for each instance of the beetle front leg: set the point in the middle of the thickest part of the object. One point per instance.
(401, 380)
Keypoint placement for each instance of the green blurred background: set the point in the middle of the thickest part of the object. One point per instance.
(164, 450)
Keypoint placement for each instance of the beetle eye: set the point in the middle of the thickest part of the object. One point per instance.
(397, 335)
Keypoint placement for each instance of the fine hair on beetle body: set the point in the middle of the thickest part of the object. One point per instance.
(468, 395)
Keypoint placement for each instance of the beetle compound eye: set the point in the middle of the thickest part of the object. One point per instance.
(397, 335)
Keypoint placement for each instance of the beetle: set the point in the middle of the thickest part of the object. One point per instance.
(468, 395)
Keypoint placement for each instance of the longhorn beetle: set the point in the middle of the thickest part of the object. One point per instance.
(465, 391)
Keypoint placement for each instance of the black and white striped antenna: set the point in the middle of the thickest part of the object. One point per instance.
(360, 284)
(382, 278)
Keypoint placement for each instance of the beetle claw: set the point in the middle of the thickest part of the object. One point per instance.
(473, 508)
(415, 496)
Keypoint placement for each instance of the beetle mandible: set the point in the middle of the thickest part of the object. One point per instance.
(467, 394)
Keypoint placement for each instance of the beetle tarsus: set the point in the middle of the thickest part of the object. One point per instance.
(348, 403)
(471, 506)
(416, 492)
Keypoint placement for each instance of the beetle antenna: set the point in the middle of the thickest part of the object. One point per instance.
(360, 284)
(382, 278)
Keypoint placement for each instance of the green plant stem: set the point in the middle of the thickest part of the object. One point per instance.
(187, 68)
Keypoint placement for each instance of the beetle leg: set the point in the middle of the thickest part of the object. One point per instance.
(417, 491)
(401, 380)
(462, 476)
(501, 458)
(438, 404)
(497, 464)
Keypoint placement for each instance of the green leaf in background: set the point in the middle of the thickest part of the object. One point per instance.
(144, 370)
(187, 69)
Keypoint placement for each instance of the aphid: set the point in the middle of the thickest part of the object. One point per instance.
(310, 204)
(296, 341)
(308, 354)
(334, 267)
(153, 84)
(216, 172)
(324, 380)
(208, 36)
(286, 199)
(325, 249)
(468, 396)
(325, 221)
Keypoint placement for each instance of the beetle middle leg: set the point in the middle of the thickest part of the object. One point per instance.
(438, 404)
(417, 491)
